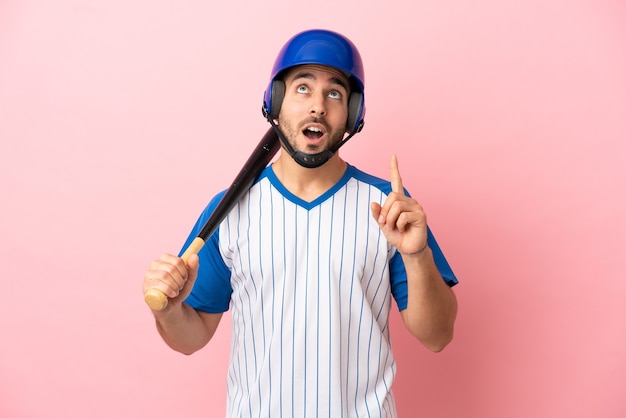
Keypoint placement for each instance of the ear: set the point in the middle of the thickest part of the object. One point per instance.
(355, 111)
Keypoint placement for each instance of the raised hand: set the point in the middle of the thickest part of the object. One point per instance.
(401, 219)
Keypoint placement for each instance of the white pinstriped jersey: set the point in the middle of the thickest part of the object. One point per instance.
(309, 286)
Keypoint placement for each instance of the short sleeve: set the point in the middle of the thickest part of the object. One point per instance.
(398, 278)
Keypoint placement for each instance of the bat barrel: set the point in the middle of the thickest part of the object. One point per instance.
(258, 160)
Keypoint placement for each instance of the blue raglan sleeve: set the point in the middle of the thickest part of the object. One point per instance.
(212, 290)
(397, 272)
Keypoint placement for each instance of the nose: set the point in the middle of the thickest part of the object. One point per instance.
(318, 107)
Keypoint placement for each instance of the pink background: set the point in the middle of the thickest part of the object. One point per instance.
(118, 120)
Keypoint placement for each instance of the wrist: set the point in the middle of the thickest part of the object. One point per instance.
(418, 252)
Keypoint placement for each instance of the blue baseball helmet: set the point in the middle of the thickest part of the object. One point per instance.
(321, 47)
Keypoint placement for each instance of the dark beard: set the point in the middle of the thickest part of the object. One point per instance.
(311, 160)
(290, 134)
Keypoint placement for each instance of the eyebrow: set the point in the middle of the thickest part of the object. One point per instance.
(310, 76)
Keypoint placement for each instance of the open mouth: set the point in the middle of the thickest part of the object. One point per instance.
(313, 133)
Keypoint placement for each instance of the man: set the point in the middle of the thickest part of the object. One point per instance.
(309, 259)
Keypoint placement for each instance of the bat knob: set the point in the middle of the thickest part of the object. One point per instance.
(155, 299)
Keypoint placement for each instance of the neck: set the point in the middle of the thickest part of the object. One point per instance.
(308, 183)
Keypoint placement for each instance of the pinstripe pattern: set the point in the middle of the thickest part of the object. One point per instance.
(310, 302)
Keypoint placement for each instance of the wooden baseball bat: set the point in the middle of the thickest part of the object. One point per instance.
(258, 160)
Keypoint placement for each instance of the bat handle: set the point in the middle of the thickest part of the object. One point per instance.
(156, 299)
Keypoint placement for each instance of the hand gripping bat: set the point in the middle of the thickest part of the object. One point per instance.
(258, 160)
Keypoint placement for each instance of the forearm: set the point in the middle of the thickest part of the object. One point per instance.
(432, 306)
(184, 329)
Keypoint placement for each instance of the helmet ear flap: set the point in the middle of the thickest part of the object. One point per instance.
(354, 123)
(277, 96)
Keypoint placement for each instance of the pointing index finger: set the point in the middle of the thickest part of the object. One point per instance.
(394, 172)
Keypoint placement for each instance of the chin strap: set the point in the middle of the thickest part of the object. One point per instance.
(302, 158)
